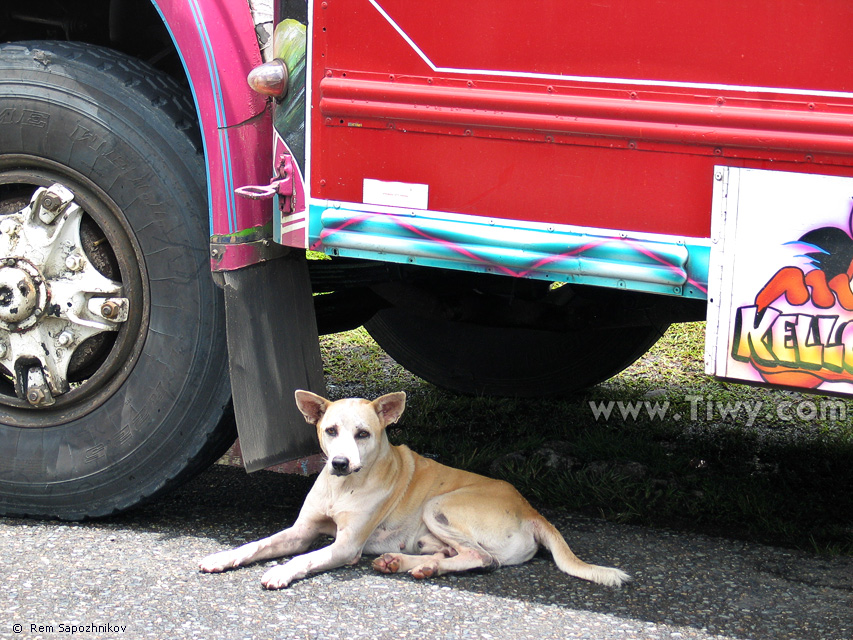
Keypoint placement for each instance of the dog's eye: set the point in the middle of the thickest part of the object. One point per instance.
(332, 432)
(361, 435)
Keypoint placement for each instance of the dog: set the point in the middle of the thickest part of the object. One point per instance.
(414, 513)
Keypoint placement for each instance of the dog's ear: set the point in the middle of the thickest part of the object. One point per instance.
(390, 407)
(311, 405)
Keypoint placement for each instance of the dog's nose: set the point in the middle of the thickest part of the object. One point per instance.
(340, 464)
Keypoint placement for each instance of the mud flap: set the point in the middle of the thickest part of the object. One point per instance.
(273, 349)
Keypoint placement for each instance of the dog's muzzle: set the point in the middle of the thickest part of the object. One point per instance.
(341, 466)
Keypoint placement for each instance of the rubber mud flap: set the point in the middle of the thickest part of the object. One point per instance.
(273, 349)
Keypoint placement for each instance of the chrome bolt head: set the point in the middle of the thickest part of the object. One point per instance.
(75, 262)
(65, 339)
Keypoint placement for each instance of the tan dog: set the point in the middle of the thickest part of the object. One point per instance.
(416, 514)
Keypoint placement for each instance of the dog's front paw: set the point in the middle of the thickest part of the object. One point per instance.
(387, 563)
(218, 562)
(278, 577)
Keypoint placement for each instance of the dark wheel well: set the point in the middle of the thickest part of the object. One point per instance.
(132, 27)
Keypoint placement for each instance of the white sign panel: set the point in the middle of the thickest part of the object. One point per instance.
(780, 303)
(395, 194)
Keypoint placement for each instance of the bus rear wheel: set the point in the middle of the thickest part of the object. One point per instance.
(113, 367)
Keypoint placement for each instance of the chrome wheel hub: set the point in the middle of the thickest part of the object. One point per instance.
(52, 298)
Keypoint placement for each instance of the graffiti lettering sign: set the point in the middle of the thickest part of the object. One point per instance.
(780, 301)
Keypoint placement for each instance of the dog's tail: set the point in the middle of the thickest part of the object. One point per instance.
(548, 536)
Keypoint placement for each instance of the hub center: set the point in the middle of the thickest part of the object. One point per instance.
(18, 294)
(23, 294)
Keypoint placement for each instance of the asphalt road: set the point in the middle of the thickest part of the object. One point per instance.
(135, 576)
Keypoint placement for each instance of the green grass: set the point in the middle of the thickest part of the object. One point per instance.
(778, 480)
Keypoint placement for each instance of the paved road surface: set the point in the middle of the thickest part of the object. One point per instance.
(135, 576)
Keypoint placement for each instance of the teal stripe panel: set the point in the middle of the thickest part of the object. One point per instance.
(519, 249)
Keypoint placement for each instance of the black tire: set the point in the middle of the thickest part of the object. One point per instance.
(508, 362)
(151, 408)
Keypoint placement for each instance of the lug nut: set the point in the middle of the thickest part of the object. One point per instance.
(51, 202)
(65, 339)
(110, 310)
(38, 394)
(113, 309)
(35, 396)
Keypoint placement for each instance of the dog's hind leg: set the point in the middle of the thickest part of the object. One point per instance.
(401, 562)
(465, 559)
(453, 544)
(435, 564)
